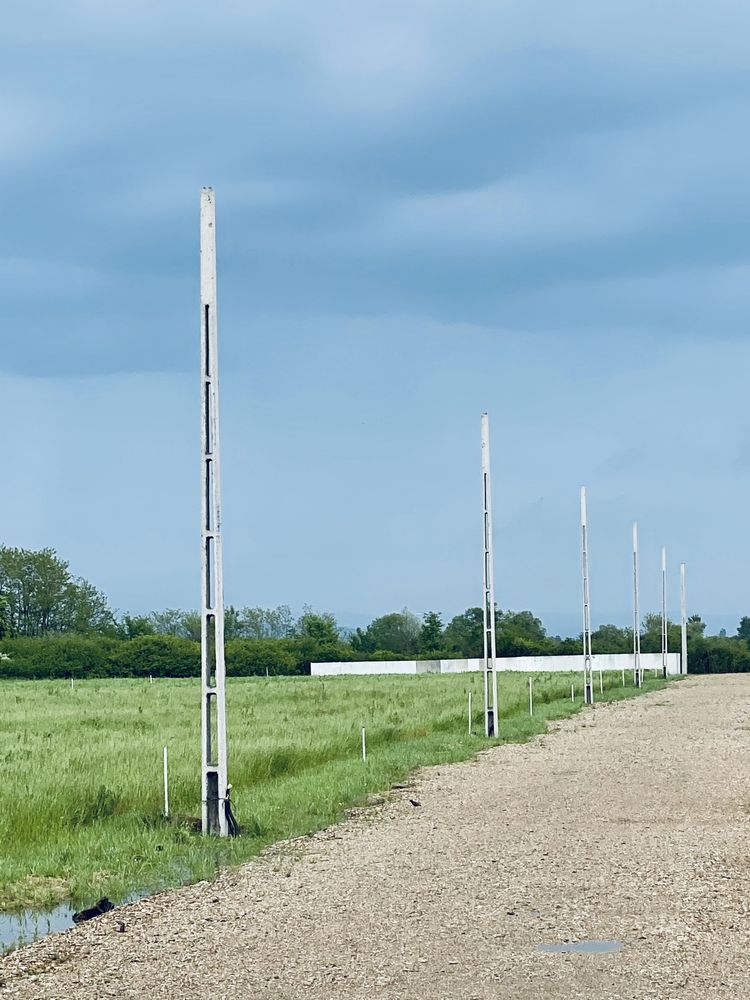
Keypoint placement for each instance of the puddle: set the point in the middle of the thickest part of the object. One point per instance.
(26, 926)
(583, 947)
(17, 929)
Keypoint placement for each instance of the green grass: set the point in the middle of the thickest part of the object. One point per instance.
(82, 794)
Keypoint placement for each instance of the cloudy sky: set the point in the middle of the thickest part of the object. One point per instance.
(425, 210)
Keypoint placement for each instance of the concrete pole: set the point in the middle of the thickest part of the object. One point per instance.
(213, 709)
(637, 675)
(491, 713)
(683, 622)
(588, 674)
(664, 640)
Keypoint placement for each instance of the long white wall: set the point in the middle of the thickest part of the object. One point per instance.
(527, 664)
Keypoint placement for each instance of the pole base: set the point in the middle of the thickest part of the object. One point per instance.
(588, 694)
(490, 722)
(638, 679)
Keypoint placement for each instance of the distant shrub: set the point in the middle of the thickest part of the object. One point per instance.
(58, 656)
(159, 655)
(253, 657)
(718, 655)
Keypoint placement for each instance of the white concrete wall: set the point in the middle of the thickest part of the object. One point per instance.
(525, 664)
(367, 667)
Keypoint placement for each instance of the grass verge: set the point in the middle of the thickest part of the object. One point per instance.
(81, 803)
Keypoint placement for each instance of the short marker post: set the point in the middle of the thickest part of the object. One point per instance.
(469, 713)
(573, 693)
(166, 784)
(364, 745)
(601, 682)
(531, 695)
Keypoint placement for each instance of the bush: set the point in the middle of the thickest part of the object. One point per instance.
(160, 655)
(253, 657)
(718, 655)
(59, 656)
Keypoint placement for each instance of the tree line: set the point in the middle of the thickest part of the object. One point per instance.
(54, 624)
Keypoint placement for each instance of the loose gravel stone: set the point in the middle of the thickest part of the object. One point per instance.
(627, 823)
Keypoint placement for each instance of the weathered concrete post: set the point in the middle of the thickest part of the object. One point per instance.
(213, 710)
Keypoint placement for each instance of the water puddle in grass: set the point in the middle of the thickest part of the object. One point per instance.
(17, 929)
(26, 926)
(583, 947)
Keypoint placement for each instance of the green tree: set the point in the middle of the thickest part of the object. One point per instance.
(168, 622)
(131, 626)
(464, 634)
(430, 638)
(395, 633)
(320, 627)
(40, 597)
(4, 617)
(267, 623)
(612, 639)
(743, 630)
(695, 627)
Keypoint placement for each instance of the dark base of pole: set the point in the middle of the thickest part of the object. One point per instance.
(589, 695)
(490, 722)
(638, 679)
(664, 672)
(212, 802)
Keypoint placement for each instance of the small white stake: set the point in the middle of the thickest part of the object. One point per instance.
(601, 682)
(364, 745)
(469, 713)
(71, 684)
(623, 676)
(150, 679)
(572, 692)
(531, 696)
(166, 785)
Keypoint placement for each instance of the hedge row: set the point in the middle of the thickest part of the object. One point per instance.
(155, 655)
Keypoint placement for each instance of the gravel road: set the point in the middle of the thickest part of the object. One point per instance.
(628, 823)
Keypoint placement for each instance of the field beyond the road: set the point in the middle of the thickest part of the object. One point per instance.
(82, 796)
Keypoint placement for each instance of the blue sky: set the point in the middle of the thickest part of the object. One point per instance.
(424, 211)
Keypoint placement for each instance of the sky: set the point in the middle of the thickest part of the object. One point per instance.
(424, 211)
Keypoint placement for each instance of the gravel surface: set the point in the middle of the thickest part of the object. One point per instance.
(627, 823)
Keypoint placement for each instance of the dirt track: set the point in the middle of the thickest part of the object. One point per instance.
(629, 823)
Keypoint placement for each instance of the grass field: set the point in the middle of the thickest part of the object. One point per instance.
(82, 795)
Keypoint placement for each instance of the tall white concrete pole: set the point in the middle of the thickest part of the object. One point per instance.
(683, 622)
(637, 675)
(491, 711)
(213, 710)
(664, 641)
(588, 673)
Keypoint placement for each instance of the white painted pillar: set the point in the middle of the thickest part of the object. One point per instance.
(213, 711)
(683, 622)
(491, 710)
(637, 674)
(588, 674)
(664, 639)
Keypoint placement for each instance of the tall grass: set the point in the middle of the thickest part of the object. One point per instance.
(82, 795)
